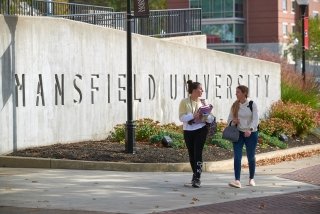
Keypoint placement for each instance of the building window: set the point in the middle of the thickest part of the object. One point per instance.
(293, 6)
(284, 5)
(238, 8)
(285, 29)
(195, 4)
(219, 8)
(224, 33)
(315, 13)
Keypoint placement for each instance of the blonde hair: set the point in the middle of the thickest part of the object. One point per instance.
(236, 105)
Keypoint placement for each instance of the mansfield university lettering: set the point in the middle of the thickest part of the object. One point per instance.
(216, 86)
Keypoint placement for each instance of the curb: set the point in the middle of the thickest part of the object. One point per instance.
(26, 162)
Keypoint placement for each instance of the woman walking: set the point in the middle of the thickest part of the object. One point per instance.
(244, 114)
(194, 128)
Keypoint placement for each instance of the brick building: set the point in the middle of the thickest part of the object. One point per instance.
(237, 25)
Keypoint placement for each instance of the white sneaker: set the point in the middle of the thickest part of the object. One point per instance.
(252, 183)
(235, 184)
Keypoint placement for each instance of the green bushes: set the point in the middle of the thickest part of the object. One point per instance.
(273, 141)
(150, 131)
(290, 93)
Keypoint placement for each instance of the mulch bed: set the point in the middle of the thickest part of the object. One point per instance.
(145, 152)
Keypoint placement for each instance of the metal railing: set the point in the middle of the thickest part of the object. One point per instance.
(160, 23)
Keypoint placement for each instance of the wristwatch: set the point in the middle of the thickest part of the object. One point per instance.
(251, 129)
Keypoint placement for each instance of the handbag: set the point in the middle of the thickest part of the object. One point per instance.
(212, 128)
(231, 133)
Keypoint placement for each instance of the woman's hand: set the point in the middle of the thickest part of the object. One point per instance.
(247, 133)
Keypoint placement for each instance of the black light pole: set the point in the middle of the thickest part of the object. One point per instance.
(303, 5)
(130, 125)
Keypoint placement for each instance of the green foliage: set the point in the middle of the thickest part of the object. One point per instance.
(273, 141)
(218, 141)
(149, 130)
(302, 116)
(177, 138)
(146, 128)
(291, 92)
(277, 126)
(119, 133)
(313, 53)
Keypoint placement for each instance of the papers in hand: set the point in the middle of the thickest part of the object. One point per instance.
(206, 109)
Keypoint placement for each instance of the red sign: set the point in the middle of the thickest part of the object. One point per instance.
(141, 8)
(305, 33)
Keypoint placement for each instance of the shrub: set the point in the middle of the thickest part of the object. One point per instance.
(273, 141)
(177, 138)
(119, 133)
(301, 115)
(293, 88)
(221, 125)
(144, 129)
(294, 94)
(218, 141)
(147, 128)
(277, 126)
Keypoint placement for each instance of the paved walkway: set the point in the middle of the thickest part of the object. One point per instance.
(288, 187)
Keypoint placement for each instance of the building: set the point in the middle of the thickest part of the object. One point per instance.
(237, 25)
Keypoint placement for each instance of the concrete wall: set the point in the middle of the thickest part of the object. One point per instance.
(199, 41)
(64, 81)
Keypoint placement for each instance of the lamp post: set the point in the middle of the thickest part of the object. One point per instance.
(303, 5)
(130, 126)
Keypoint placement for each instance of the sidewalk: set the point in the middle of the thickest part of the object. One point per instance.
(280, 189)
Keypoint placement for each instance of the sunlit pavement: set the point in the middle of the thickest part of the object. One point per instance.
(95, 191)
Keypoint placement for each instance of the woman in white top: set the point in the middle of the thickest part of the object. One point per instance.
(244, 114)
(194, 128)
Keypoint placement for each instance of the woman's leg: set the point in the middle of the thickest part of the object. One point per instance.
(189, 140)
(251, 144)
(199, 142)
(237, 155)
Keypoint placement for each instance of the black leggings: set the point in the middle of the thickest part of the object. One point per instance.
(195, 142)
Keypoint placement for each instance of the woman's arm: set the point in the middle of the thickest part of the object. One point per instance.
(255, 117)
(184, 115)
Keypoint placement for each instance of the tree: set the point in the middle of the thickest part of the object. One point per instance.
(313, 53)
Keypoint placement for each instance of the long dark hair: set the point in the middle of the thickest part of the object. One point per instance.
(192, 86)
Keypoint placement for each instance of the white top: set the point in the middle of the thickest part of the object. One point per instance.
(248, 119)
(187, 108)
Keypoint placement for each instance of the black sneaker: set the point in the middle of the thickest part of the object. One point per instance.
(196, 183)
(193, 178)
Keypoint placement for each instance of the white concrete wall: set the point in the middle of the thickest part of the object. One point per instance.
(92, 60)
(199, 41)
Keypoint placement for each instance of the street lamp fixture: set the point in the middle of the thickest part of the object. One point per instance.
(303, 5)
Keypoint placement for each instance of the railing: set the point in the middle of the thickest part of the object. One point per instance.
(48, 8)
(164, 23)
(160, 23)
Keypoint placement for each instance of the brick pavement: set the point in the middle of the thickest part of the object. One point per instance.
(309, 175)
(307, 202)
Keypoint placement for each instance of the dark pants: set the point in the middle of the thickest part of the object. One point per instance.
(251, 144)
(195, 141)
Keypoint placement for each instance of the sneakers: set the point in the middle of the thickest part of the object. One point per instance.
(196, 183)
(252, 183)
(235, 184)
